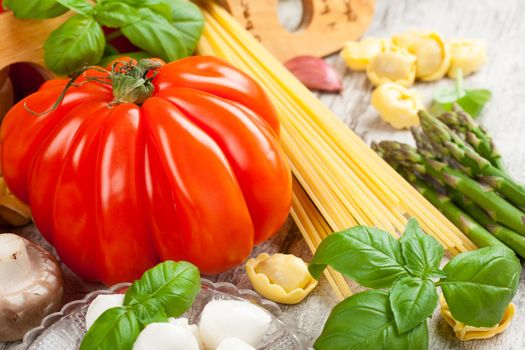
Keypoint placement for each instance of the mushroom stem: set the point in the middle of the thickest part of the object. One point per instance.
(14, 262)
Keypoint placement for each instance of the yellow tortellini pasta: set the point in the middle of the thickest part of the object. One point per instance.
(433, 54)
(395, 64)
(283, 278)
(357, 54)
(397, 105)
(464, 332)
(467, 55)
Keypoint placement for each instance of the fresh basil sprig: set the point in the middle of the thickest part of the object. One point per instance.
(35, 9)
(471, 101)
(478, 286)
(166, 290)
(168, 29)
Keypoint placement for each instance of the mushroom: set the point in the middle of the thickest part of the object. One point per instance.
(31, 286)
(234, 344)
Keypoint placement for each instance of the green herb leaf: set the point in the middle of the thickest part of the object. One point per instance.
(422, 252)
(79, 6)
(481, 284)
(413, 300)
(116, 14)
(367, 255)
(188, 20)
(169, 29)
(148, 312)
(474, 101)
(77, 42)
(155, 34)
(35, 9)
(173, 285)
(116, 328)
(447, 95)
(364, 321)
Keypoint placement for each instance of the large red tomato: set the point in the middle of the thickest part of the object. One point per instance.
(149, 163)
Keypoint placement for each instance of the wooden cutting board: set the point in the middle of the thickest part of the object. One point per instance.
(326, 25)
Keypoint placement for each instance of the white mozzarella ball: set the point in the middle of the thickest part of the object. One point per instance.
(184, 323)
(165, 336)
(223, 319)
(102, 303)
(234, 344)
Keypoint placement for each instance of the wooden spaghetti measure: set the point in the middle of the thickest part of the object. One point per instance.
(326, 25)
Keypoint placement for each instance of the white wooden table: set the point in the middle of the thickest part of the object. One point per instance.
(501, 24)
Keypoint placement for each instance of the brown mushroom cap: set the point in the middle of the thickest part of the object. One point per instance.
(24, 306)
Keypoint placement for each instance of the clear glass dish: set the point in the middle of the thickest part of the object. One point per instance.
(65, 329)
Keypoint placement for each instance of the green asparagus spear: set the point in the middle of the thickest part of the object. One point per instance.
(498, 208)
(449, 144)
(462, 123)
(470, 227)
(511, 238)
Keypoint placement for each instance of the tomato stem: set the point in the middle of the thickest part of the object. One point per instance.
(132, 81)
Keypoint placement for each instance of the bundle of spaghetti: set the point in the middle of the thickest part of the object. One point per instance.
(314, 229)
(348, 183)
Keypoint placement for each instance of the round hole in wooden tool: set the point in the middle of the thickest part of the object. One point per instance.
(291, 14)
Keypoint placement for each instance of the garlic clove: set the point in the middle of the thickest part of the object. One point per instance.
(315, 73)
(283, 278)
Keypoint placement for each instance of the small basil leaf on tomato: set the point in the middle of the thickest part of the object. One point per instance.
(173, 285)
(365, 321)
(79, 6)
(413, 300)
(76, 43)
(116, 14)
(367, 255)
(480, 285)
(422, 252)
(35, 9)
(116, 328)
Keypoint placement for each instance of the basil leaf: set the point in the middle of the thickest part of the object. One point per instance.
(412, 300)
(155, 34)
(188, 21)
(150, 311)
(116, 328)
(367, 255)
(481, 284)
(422, 252)
(77, 42)
(445, 95)
(364, 321)
(173, 285)
(474, 101)
(116, 14)
(79, 6)
(35, 9)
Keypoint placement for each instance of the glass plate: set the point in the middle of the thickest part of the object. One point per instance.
(65, 329)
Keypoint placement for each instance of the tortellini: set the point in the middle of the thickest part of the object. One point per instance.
(393, 65)
(433, 54)
(397, 105)
(414, 55)
(357, 54)
(467, 55)
(464, 332)
(283, 278)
